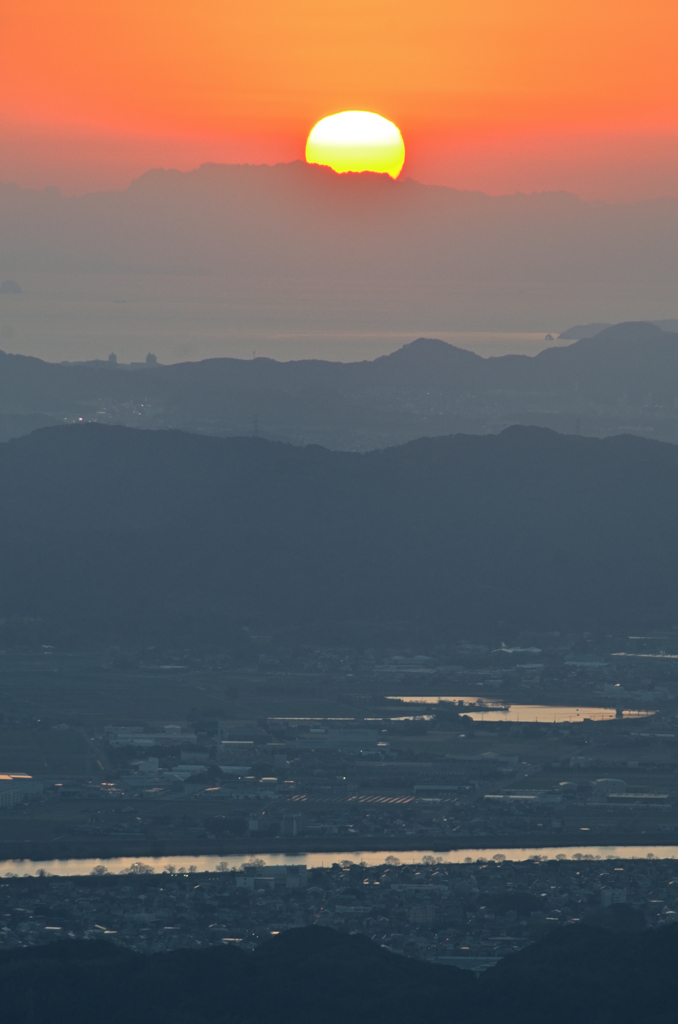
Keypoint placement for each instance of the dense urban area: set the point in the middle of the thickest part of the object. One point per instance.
(464, 914)
(572, 739)
(548, 741)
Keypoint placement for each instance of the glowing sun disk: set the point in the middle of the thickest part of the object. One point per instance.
(357, 140)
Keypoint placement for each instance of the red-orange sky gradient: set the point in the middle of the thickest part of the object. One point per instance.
(532, 94)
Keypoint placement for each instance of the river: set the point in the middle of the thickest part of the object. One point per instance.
(179, 865)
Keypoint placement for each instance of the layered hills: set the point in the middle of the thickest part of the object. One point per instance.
(624, 379)
(314, 975)
(119, 534)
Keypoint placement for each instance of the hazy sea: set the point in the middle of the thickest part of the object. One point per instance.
(77, 316)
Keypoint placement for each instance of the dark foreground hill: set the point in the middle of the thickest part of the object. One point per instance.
(625, 379)
(107, 532)
(318, 976)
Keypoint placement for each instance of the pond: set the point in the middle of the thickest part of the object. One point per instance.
(487, 709)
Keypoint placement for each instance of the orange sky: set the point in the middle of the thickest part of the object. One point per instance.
(579, 94)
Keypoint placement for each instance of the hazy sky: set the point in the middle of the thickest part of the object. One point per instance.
(491, 95)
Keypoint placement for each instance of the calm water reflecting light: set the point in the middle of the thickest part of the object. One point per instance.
(488, 709)
(181, 865)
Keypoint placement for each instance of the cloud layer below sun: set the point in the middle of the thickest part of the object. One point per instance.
(488, 95)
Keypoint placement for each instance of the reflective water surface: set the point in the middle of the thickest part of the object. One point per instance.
(180, 865)
(490, 709)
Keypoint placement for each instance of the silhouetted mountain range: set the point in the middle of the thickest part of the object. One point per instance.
(625, 379)
(297, 247)
(588, 330)
(319, 976)
(107, 532)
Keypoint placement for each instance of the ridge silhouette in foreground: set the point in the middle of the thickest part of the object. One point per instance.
(108, 532)
(320, 976)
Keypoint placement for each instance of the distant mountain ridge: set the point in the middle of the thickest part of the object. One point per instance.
(118, 534)
(296, 247)
(624, 379)
(588, 330)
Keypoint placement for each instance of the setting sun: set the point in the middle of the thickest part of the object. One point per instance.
(356, 140)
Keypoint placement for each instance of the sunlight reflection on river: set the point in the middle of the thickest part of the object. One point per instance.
(198, 863)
